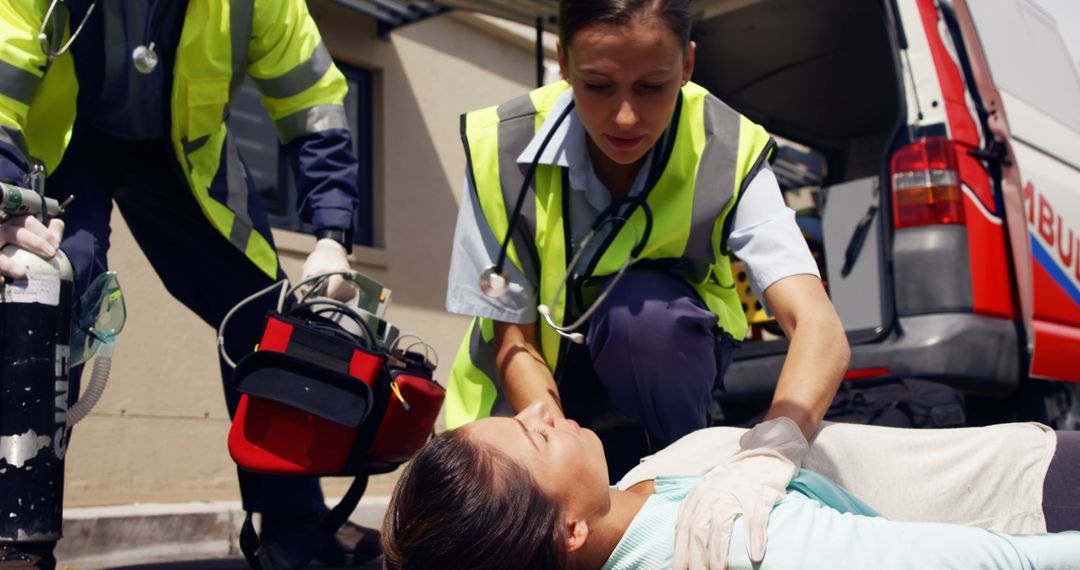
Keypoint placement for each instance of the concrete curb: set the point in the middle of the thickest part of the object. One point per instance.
(98, 538)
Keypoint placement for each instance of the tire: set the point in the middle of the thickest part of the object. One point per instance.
(1056, 404)
(1070, 414)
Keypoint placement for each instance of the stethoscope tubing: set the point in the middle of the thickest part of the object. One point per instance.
(607, 217)
(529, 176)
(43, 38)
(493, 280)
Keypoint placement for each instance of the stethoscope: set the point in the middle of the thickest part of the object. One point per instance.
(43, 38)
(143, 57)
(494, 280)
(604, 219)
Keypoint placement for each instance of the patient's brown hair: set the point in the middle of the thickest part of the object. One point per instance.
(462, 504)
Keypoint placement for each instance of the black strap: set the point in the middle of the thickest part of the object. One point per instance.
(858, 237)
(297, 548)
(337, 516)
(249, 543)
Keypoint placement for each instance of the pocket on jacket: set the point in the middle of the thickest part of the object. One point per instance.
(206, 100)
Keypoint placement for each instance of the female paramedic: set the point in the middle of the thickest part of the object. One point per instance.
(531, 492)
(608, 206)
(127, 102)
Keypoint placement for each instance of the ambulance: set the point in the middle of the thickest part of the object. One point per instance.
(939, 142)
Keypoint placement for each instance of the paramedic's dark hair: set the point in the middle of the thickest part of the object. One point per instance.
(463, 504)
(576, 14)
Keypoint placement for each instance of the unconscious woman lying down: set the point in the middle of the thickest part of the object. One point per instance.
(532, 492)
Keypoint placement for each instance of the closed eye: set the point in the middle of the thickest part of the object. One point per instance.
(525, 431)
(542, 433)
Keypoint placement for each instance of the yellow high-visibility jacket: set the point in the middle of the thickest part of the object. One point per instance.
(274, 41)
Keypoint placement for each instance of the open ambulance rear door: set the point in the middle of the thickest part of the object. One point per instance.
(1020, 69)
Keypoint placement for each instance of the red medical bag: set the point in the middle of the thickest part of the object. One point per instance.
(316, 400)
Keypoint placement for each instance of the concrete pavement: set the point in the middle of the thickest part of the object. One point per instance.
(169, 536)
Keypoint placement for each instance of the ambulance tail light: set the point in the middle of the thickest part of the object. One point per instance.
(861, 373)
(926, 184)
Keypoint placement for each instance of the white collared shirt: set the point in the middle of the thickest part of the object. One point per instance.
(764, 233)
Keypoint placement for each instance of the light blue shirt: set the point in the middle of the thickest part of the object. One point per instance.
(764, 234)
(819, 525)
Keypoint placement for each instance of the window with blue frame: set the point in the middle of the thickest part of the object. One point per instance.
(274, 178)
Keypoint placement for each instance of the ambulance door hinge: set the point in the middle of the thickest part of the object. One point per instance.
(995, 152)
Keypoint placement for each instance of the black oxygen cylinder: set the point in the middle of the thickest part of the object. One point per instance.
(35, 317)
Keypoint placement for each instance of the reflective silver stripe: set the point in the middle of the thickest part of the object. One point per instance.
(483, 358)
(14, 137)
(237, 200)
(240, 233)
(240, 15)
(517, 127)
(17, 84)
(715, 182)
(299, 78)
(311, 120)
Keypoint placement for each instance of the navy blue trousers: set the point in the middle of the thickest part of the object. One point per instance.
(198, 266)
(657, 351)
(1061, 488)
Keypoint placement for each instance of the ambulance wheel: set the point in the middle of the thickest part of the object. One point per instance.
(1056, 404)
(1062, 404)
(1071, 420)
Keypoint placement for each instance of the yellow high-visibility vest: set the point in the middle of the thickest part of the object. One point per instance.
(712, 153)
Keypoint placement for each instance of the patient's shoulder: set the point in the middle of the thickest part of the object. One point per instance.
(645, 487)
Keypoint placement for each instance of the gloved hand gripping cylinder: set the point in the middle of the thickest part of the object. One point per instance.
(40, 340)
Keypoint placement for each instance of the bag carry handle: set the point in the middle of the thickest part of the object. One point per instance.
(376, 305)
(431, 357)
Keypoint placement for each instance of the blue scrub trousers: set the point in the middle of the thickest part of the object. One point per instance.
(657, 351)
(1061, 487)
(197, 265)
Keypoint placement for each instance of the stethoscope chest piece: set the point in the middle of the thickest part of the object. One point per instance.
(145, 59)
(494, 283)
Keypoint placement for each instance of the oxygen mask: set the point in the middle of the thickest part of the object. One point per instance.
(100, 318)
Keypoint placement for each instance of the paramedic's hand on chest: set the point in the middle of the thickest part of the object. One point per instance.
(30, 234)
(755, 478)
(748, 484)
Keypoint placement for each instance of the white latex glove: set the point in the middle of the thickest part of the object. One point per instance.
(30, 234)
(327, 257)
(748, 484)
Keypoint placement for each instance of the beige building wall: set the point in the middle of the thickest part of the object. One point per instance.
(159, 432)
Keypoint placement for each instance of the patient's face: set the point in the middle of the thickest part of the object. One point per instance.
(566, 460)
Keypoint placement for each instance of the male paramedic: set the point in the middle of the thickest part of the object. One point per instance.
(128, 102)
